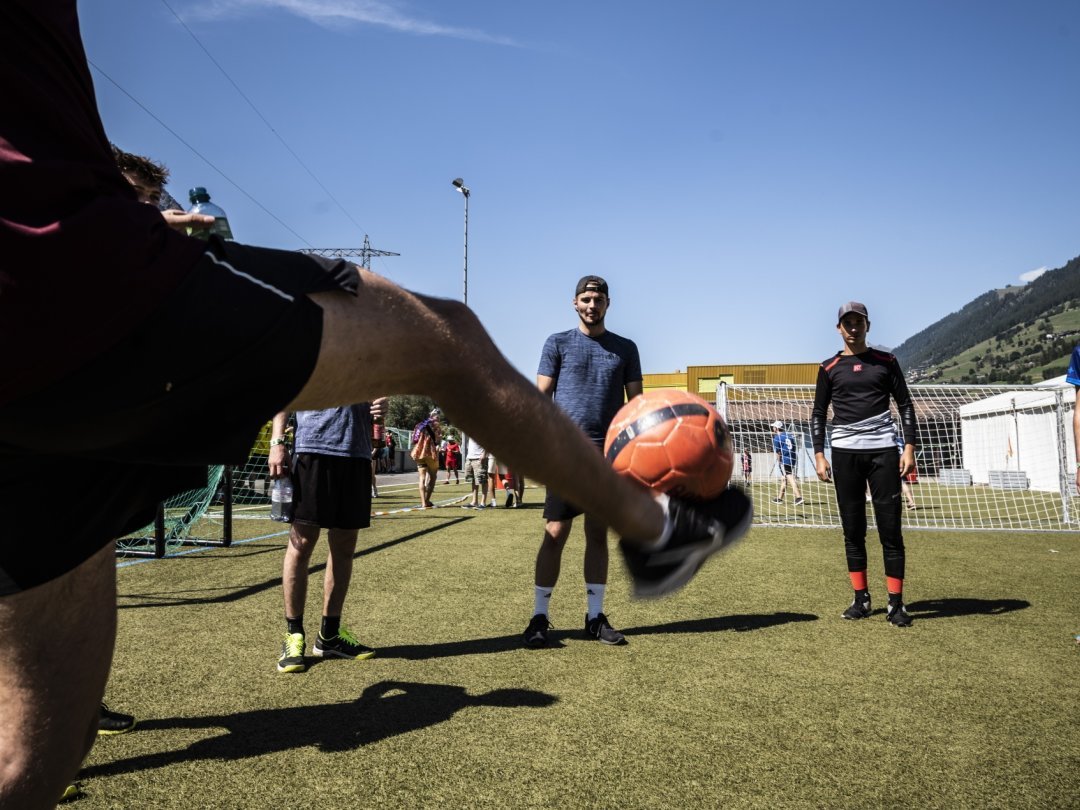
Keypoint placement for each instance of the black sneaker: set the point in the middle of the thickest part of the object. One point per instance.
(509, 500)
(699, 530)
(858, 609)
(292, 654)
(777, 500)
(600, 629)
(798, 501)
(343, 645)
(110, 722)
(536, 634)
(898, 615)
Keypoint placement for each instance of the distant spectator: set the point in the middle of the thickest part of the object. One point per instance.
(452, 459)
(476, 472)
(1073, 377)
(747, 465)
(425, 452)
(787, 458)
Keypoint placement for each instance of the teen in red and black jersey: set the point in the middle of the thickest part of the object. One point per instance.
(858, 382)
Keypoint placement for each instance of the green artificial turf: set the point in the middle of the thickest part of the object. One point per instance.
(744, 690)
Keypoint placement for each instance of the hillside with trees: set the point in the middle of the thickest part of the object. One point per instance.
(1014, 335)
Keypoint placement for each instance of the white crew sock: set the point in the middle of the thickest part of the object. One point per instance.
(594, 593)
(541, 600)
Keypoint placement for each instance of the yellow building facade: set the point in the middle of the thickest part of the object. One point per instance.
(702, 380)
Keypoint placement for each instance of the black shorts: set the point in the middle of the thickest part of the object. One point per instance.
(555, 508)
(331, 492)
(86, 459)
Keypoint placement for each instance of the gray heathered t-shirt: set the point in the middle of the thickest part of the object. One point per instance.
(335, 431)
(590, 376)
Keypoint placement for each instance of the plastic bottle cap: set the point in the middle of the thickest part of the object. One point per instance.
(198, 195)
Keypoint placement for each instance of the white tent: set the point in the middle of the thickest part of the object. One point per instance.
(1020, 432)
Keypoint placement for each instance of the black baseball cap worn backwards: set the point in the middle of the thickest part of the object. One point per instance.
(591, 284)
(852, 306)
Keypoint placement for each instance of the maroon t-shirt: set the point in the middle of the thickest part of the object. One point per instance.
(82, 262)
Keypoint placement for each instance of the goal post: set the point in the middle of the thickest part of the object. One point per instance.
(989, 457)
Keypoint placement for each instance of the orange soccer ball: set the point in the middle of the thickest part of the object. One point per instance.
(673, 441)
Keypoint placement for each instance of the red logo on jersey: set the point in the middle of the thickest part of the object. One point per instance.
(857, 367)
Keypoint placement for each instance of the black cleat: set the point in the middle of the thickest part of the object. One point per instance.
(897, 615)
(110, 722)
(858, 609)
(536, 634)
(699, 530)
(600, 629)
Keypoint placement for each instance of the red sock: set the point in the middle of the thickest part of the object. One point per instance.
(858, 580)
(895, 586)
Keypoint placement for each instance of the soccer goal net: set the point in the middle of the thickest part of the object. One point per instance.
(989, 457)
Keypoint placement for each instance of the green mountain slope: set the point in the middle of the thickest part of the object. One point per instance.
(1015, 335)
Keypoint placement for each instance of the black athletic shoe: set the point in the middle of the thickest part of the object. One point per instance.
(798, 501)
(897, 615)
(858, 609)
(777, 500)
(343, 645)
(536, 634)
(600, 629)
(509, 500)
(699, 530)
(110, 722)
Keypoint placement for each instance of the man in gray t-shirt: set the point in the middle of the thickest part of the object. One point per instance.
(587, 371)
(331, 474)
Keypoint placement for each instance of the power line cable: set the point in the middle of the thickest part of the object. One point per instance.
(269, 126)
(202, 157)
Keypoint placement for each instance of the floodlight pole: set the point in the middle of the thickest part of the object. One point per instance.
(459, 184)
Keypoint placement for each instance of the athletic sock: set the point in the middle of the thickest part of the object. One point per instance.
(541, 600)
(858, 580)
(295, 625)
(594, 593)
(330, 626)
(895, 587)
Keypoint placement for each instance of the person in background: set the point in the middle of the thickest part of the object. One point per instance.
(452, 460)
(476, 458)
(787, 459)
(747, 466)
(858, 382)
(332, 488)
(1072, 376)
(425, 452)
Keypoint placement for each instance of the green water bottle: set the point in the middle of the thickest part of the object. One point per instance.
(200, 204)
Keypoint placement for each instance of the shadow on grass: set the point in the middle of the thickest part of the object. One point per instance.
(501, 644)
(383, 710)
(716, 624)
(953, 608)
(226, 595)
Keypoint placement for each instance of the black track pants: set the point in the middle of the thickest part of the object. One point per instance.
(851, 473)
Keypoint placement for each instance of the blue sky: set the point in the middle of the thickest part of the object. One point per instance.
(736, 170)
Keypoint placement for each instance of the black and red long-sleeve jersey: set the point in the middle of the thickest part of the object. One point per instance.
(859, 386)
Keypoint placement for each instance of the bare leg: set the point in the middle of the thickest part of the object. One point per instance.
(386, 341)
(338, 569)
(50, 693)
(549, 557)
(596, 551)
(294, 578)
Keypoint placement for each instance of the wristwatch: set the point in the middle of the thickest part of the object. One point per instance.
(277, 441)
